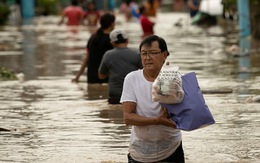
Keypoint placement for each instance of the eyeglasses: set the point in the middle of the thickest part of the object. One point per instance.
(151, 54)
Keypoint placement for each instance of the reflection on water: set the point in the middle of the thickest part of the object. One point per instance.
(97, 91)
(29, 48)
(244, 62)
(54, 120)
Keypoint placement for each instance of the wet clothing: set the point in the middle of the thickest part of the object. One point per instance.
(176, 157)
(92, 17)
(147, 25)
(96, 49)
(150, 143)
(117, 63)
(74, 15)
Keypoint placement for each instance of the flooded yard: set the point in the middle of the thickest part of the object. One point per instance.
(53, 120)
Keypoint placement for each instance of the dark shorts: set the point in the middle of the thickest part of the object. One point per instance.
(114, 100)
(176, 157)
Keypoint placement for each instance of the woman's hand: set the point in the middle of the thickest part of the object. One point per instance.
(75, 80)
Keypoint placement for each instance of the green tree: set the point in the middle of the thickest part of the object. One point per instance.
(4, 13)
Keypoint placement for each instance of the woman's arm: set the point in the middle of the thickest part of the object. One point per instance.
(82, 68)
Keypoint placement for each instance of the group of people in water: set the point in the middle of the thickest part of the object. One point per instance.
(75, 14)
(108, 59)
(130, 74)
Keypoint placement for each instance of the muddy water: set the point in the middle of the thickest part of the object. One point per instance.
(53, 120)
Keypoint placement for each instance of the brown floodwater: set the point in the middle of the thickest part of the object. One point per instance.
(53, 120)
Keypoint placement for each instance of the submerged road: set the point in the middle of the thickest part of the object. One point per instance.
(53, 120)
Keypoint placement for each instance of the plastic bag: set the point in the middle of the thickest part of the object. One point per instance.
(192, 113)
(167, 87)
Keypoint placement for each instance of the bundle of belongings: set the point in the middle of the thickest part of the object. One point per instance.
(182, 97)
(167, 88)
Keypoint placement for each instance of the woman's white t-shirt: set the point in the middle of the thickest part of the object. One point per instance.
(153, 142)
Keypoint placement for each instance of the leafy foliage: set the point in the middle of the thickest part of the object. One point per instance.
(6, 74)
(4, 13)
(47, 7)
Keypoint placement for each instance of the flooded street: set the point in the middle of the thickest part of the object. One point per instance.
(53, 120)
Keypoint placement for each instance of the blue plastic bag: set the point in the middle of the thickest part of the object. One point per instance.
(192, 113)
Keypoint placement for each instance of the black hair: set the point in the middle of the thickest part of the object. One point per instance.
(120, 39)
(141, 9)
(151, 2)
(91, 3)
(150, 39)
(74, 2)
(106, 21)
(128, 2)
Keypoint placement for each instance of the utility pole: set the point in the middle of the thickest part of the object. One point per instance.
(27, 7)
(244, 17)
(245, 40)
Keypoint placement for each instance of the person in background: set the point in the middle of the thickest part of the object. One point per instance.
(129, 9)
(179, 5)
(193, 6)
(15, 16)
(117, 63)
(125, 8)
(154, 137)
(73, 13)
(134, 9)
(83, 4)
(97, 45)
(146, 24)
(151, 7)
(92, 15)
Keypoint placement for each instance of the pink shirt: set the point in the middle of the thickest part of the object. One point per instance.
(74, 15)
